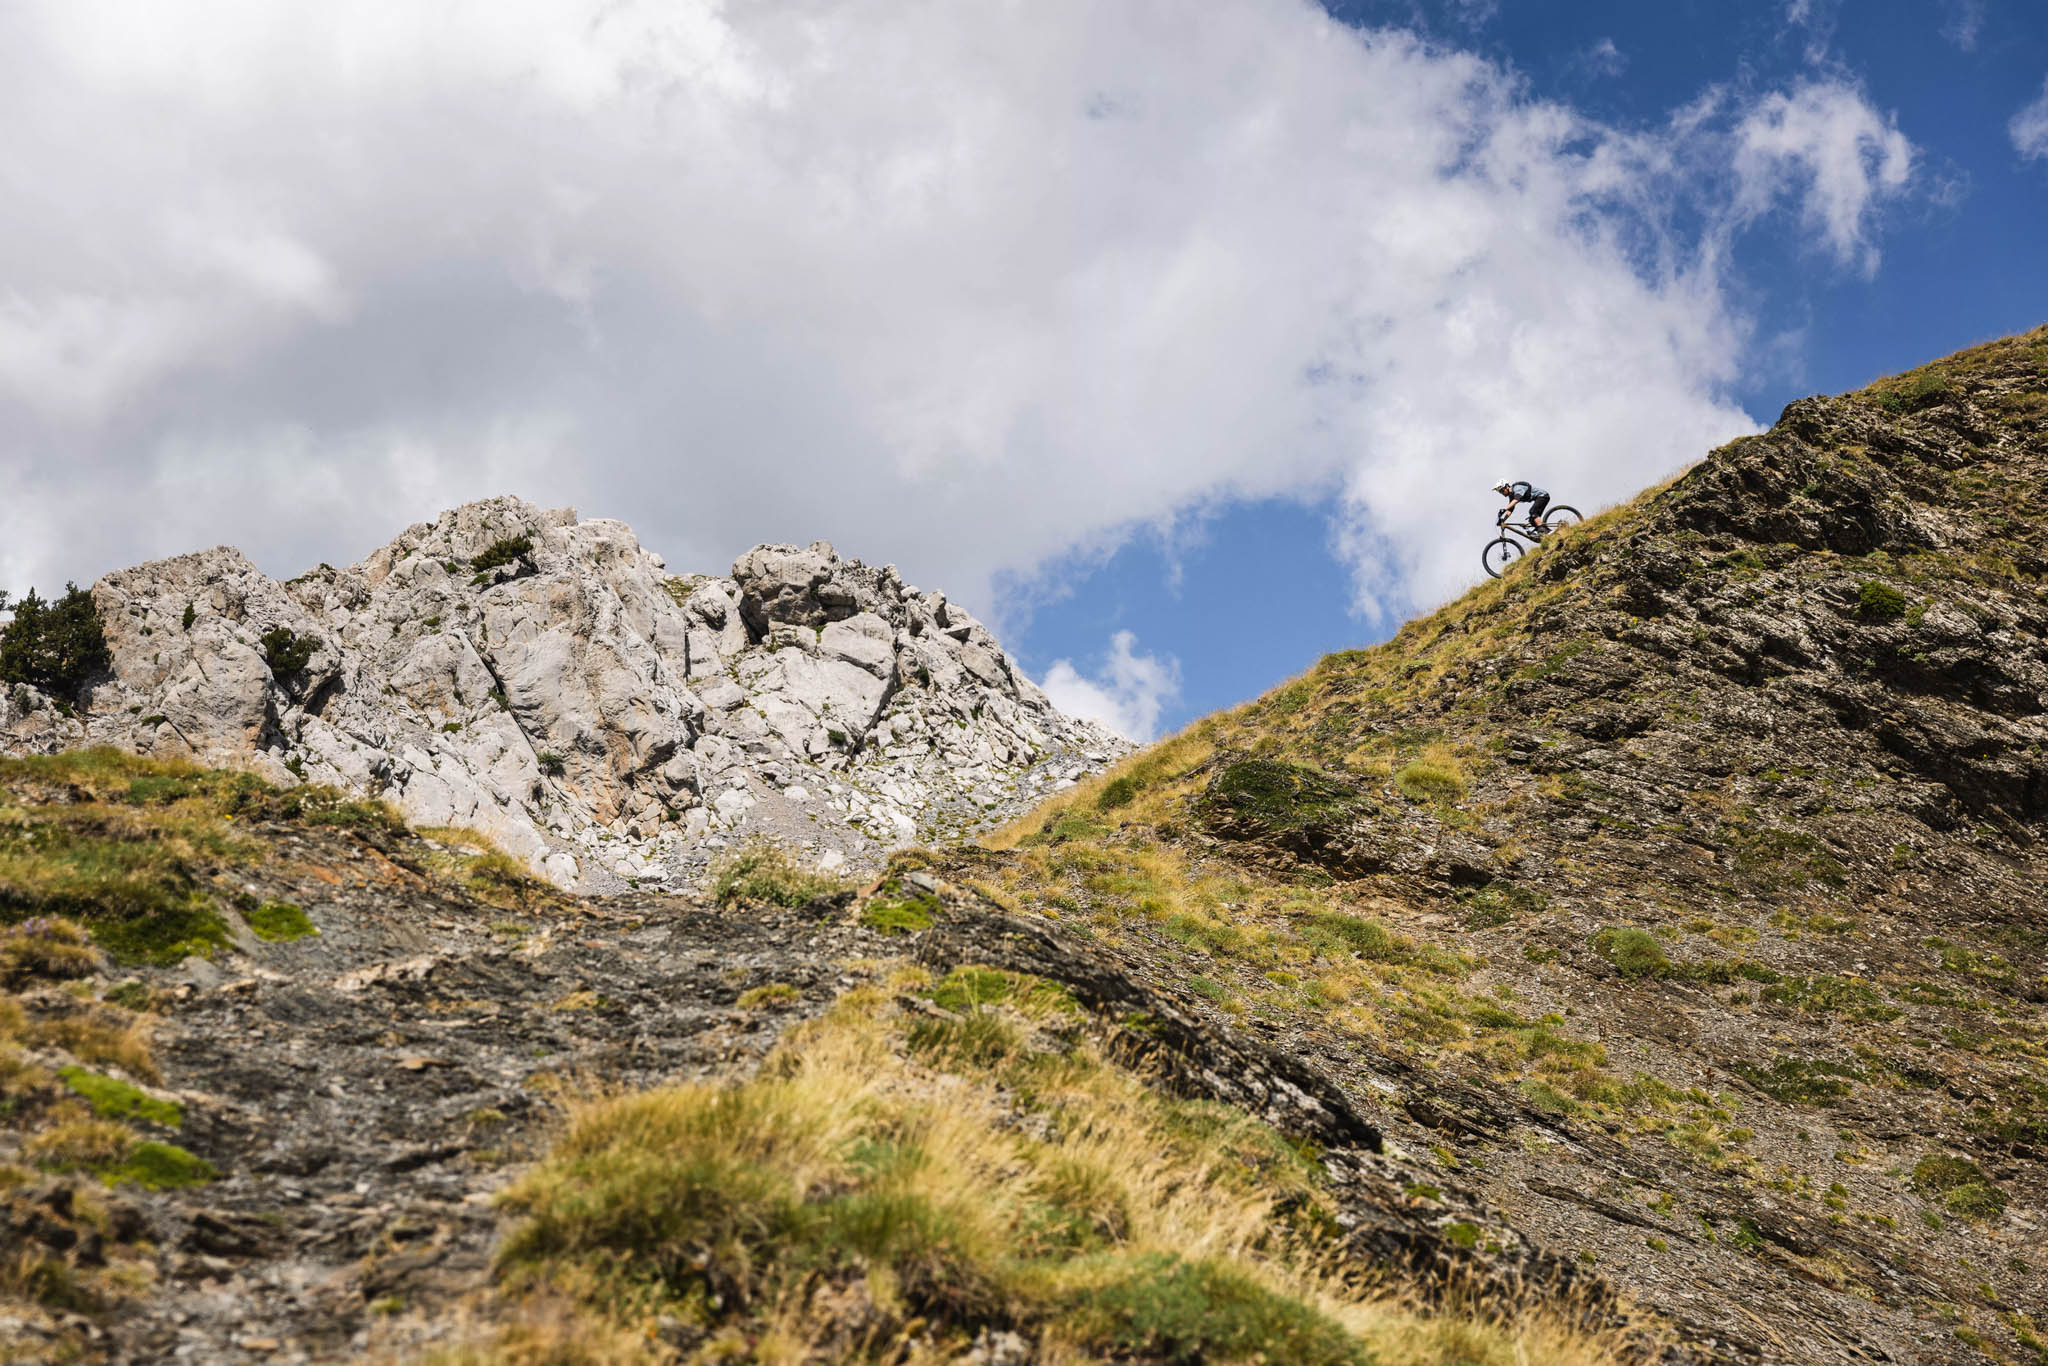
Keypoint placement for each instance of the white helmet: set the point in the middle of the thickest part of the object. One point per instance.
(1503, 486)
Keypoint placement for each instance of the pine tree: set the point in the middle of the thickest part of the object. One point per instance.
(54, 646)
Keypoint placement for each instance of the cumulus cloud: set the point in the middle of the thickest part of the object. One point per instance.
(2029, 127)
(1127, 694)
(1825, 143)
(967, 287)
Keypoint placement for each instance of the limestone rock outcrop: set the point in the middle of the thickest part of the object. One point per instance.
(548, 681)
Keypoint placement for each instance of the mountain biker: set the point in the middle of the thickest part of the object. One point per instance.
(1522, 491)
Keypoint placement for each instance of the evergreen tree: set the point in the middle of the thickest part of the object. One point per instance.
(54, 646)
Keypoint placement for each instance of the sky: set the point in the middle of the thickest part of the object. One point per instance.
(1182, 351)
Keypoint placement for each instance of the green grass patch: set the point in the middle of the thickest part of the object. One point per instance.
(1960, 1185)
(1832, 996)
(1164, 1308)
(1801, 1081)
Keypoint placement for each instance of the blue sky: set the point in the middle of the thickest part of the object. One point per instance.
(1258, 593)
(1181, 349)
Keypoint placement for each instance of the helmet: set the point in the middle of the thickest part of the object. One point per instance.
(1503, 486)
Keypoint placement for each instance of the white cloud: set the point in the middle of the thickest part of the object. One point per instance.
(966, 287)
(1604, 59)
(2029, 127)
(1824, 142)
(1127, 694)
(1965, 23)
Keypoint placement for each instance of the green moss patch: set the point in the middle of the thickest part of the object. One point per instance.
(159, 1166)
(112, 1098)
(899, 915)
(279, 922)
(1801, 1081)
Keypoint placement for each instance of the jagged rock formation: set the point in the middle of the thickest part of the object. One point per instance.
(547, 681)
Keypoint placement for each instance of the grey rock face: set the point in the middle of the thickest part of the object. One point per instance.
(598, 716)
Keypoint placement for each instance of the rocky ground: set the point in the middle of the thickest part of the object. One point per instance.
(358, 1093)
(548, 681)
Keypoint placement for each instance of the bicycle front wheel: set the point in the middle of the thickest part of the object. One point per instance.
(1500, 554)
(1561, 515)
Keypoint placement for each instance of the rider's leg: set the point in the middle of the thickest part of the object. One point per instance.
(1536, 507)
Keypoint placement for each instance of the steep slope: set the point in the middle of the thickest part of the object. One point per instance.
(547, 680)
(1674, 902)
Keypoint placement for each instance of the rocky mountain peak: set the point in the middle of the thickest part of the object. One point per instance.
(548, 680)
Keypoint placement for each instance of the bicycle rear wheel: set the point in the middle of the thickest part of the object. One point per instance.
(1499, 554)
(1561, 515)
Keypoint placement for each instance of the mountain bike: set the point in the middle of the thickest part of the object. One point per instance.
(1499, 554)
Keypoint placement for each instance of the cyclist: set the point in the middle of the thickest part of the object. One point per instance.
(1522, 491)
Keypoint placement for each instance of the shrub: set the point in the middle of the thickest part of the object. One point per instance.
(287, 652)
(550, 764)
(1880, 602)
(764, 872)
(54, 647)
(191, 615)
(502, 551)
(1633, 952)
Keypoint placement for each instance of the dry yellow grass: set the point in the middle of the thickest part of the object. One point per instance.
(921, 1118)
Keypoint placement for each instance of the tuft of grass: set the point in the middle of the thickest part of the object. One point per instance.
(761, 872)
(769, 994)
(474, 862)
(1162, 1307)
(280, 922)
(45, 946)
(159, 1166)
(1633, 952)
(1430, 780)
